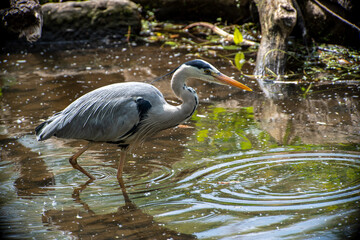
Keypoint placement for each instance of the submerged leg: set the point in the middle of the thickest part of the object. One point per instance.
(119, 176)
(74, 164)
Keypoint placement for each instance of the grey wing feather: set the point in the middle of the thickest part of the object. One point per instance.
(100, 120)
(104, 114)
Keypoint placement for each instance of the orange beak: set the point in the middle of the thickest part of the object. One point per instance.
(229, 81)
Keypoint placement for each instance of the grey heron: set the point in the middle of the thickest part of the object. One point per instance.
(126, 113)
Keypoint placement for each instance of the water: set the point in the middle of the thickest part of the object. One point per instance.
(245, 167)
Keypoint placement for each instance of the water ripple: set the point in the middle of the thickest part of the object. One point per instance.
(287, 181)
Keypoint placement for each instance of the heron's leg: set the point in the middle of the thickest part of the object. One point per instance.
(74, 164)
(119, 176)
(121, 164)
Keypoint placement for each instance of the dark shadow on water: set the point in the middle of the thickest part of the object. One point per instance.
(34, 176)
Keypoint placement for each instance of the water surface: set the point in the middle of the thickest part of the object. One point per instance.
(244, 167)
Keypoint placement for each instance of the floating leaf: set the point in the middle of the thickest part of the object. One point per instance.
(238, 38)
(239, 60)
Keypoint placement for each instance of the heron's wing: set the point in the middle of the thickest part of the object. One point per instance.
(99, 119)
(105, 114)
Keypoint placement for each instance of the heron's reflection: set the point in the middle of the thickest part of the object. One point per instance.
(128, 222)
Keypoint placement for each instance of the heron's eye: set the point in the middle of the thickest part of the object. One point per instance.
(207, 71)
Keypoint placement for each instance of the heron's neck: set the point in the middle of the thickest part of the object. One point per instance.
(185, 93)
(178, 85)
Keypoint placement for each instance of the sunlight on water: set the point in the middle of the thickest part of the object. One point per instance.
(244, 167)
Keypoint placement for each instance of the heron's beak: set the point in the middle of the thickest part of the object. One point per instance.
(229, 81)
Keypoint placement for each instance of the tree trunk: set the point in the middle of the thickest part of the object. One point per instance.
(277, 19)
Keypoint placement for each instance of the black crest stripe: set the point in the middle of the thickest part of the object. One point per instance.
(198, 64)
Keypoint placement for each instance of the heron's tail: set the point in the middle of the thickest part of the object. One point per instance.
(38, 128)
(47, 129)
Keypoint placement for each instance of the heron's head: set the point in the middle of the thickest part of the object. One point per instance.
(203, 70)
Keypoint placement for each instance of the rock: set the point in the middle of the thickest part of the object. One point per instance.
(21, 18)
(90, 20)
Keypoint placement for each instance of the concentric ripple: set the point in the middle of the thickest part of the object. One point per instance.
(288, 181)
(153, 175)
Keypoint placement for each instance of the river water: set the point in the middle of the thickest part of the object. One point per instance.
(243, 167)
